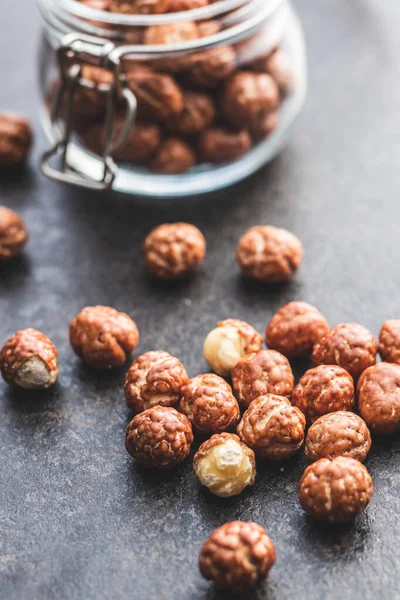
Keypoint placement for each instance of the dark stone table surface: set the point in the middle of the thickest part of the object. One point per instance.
(78, 520)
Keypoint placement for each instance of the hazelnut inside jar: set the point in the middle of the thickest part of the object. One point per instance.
(209, 110)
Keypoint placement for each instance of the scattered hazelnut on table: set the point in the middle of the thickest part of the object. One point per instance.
(15, 140)
(198, 114)
(340, 433)
(248, 97)
(389, 341)
(272, 427)
(335, 490)
(260, 373)
(225, 465)
(211, 67)
(323, 390)
(348, 345)
(269, 254)
(103, 337)
(237, 556)
(228, 343)
(159, 437)
(174, 250)
(220, 145)
(13, 233)
(208, 403)
(174, 157)
(295, 328)
(154, 378)
(29, 360)
(378, 392)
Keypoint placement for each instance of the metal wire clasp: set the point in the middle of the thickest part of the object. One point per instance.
(75, 51)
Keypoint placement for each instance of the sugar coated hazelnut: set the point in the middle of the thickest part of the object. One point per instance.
(220, 145)
(260, 373)
(225, 465)
(208, 69)
(15, 140)
(13, 233)
(323, 390)
(279, 65)
(174, 250)
(91, 101)
(389, 341)
(378, 392)
(29, 360)
(171, 33)
(154, 378)
(269, 254)
(228, 343)
(272, 427)
(340, 433)
(336, 490)
(248, 97)
(348, 345)
(237, 556)
(198, 114)
(159, 437)
(103, 337)
(158, 95)
(174, 157)
(295, 328)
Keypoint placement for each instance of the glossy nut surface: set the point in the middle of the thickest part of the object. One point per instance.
(237, 556)
(389, 341)
(15, 140)
(259, 373)
(378, 392)
(335, 490)
(159, 437)
(13, 233)
(220, 145)
(174, 156)
(210, 68)
(103, 337)
(198, 114)
(248, 97)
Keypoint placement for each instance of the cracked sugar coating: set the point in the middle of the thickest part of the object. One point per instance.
(228, 343)
(208, 403)
(154, 378)
(225, 465)
(389, 341)
(295, 328)
(335, 490)
(348, 345)
(159, 437)
(103, 337)
(15, 140)
(174, 250)
(378, 392)
(29, 360)
(341, 433)
(323, 390)
(259, 373)
(13, 233)
(269, 254)
(237, 556)
(272, 427)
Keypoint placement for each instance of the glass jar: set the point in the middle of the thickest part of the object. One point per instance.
(168, 104)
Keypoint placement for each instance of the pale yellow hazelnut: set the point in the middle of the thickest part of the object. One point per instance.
(225, 465)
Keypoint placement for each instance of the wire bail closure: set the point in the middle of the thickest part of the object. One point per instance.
(79, 49)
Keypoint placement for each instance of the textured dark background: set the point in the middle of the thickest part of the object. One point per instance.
(78, 520)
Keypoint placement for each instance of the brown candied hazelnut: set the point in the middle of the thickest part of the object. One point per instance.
(220, 145)
(139, 7)
(248, 97)
(174, 157)
(198, 114)
(103, 337)
(269, 254)
(348, 345)
(272, 427)
(158, 95)
(324, 389)
(29, 360)
(208, 69)
(378, 392)
(182, 5)
(159, 437)
(265, 127)
(174, 250)
(295, 328)
(225, 345)
(278, 64)
(13, 233)
(389, 341)
(207, 28)
(208, 403)
(15, 140)
(260, 373)
(171, 33)
(91, 102)
(336, 490)
(340, 433)
(225, 465)
(154, 379)
(237, 556)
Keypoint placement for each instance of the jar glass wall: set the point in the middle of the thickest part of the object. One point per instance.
(213, 91)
